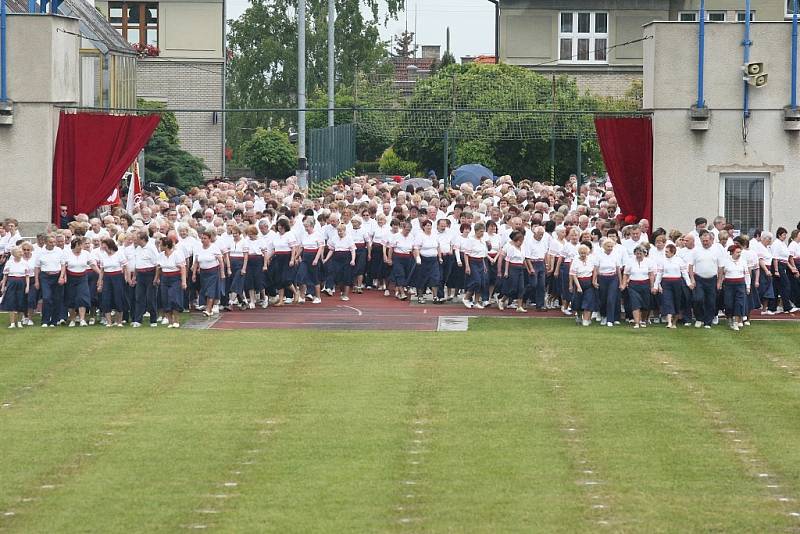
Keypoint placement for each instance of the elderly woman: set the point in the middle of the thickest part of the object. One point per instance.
(111, 283)
(400, 255)
(309, 271)
(734, 277)
(341, 258)
(208, 271)
(14, 287)
(171, 279)
(78, 298)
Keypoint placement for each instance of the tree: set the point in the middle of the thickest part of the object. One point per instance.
(391, 163)
(404, 45)
(270, 154)
(164, 159)
(263, 71)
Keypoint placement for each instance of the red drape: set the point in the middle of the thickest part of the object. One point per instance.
(92, 153)
(627, 147)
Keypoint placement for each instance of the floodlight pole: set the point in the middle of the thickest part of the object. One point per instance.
(302, 163)
(331, 60)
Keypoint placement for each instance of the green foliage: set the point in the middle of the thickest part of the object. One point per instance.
(270, 154)
(318, 189)
(164, 159)
(391, 163)
(475, 152)
(263, 71)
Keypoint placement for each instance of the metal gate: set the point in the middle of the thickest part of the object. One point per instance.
(331, 151)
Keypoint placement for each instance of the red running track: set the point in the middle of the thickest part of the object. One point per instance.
(372, 311)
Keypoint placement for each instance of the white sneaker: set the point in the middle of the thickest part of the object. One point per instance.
(153, 325)
(609, 324)
(164, 320)
(44, 326)
(794, 310)
(176, 325)
(386, 293)
(715, 320)
(265, 304)
(467, 304)
(345, 298)
(135, 324)
(71, 324)
(584, 322)
(636, 325)
(707, 327)
(316, 300)
(768, 312)
(91, 322)
(735, 327)
(215, 310)
(83, 323)
(12, 325)
(478, 306)
(698, 324)
(252, 306)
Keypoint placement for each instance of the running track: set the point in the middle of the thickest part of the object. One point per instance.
(370, 311)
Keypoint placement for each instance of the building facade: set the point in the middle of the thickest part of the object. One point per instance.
(181, 64)
(587, 40)
(746, 171)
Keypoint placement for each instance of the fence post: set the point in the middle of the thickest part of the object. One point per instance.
(446, 159)
(580, 159)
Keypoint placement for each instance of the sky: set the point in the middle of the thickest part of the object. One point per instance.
(471, 24)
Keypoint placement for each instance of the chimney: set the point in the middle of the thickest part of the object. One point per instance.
(431, 51)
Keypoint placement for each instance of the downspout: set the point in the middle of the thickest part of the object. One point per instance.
(496, 31)
(3, 66)
(701, 103)
(746, 43)
(794, 56)
(31, 6)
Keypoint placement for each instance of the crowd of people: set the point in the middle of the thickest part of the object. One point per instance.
(522, 246)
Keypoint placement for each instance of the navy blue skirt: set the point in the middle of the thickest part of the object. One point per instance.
(210, 283)
(361, 262)
(254, 279)
(308, 274)
(457, 277)
(639, 296)
(33, 296)
(341, 269)
(587, 300)
(14, 299)
(735, 299)
(235, 282)
(513, 286)
(76, 293)
(402, 270)
(427, 274)
(171, 292)
(563, 280)
(478, 278)
(378, 270)
(671, 295)
(281, 275)
(766, 289)
(112, 298)
(93, 294)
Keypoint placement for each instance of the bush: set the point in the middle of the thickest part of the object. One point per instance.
(270, 154)
(367, 167)
(391, 163)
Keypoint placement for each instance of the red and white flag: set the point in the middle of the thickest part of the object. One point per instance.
(113, 199)
(134, 189)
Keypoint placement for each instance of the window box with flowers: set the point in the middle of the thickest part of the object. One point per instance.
(146, 50)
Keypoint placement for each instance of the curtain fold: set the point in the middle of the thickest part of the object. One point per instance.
(627, 148)
(92, 153)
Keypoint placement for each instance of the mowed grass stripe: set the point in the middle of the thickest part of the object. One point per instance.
(760, 397)
(497, 461)
(49, 433)
(179, 448)
(663, 461)
(335, 462)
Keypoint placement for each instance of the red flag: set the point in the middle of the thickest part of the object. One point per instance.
(114, 199)
(134, 190)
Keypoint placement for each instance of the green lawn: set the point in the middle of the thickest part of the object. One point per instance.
(516, 425)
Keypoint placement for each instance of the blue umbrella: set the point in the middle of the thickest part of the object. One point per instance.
(473, 174)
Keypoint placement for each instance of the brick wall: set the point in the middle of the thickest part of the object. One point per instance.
(606, 84)
(188, 84)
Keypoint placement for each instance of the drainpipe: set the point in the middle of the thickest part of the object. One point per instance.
(496, 31)
(746, 44)
(31, 6)
(794, 56)
(701, 103)
(3, 66)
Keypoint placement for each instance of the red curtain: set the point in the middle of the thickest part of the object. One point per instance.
(93, 151)
(627, 147)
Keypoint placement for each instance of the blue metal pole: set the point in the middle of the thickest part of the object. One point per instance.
(31, 6)
(746, 43)
(3, 66)
(701, 53)
(794, 55)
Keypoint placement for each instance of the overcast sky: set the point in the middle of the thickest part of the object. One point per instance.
(471, 24)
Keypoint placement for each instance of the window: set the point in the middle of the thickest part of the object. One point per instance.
(687, 16)
(740, 16)
(583, 37)
(711, 16)
(743, 198)
(136, 21)
(715, 16)
(790, 7)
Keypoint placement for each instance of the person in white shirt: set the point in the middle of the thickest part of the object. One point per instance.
(142, 274)
(49, 277)
(282, 262)
(309, 272)
(609, 278)
(494, 243)
(401, 258)
(567, 253)
(77, 299)
(29, 256)
(362, 241)
(457, 280)
(639, 279)
(734, 277)
(378, 269)
(513, 272)
(171, 280)
(583, 277)
(111, 282)
(237, 252)
(783, 270)
(672, 275)
(475, 270)
(428, 258)
(208, 270)
(445, 238)
(762, 245)
(536, 259)
(253, 269)
(14, 287)
(341, 259)
(703, 269)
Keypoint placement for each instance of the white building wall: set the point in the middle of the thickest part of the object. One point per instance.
(43, 72)
(687, 165)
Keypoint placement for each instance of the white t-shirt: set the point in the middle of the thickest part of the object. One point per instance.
(112, 263)
(19, 268)
(171, 263)
(50, 261)
(207, 258)
(78, 264)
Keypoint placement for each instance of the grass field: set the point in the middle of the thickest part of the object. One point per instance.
(516, 425)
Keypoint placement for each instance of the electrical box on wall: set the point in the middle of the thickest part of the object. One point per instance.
(6, 113)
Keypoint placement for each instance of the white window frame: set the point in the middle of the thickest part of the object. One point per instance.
(692, 13)
(723, 13)
(592, 36)
(695, 14)
(741, 13)
(788, 13)
(765, 176)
